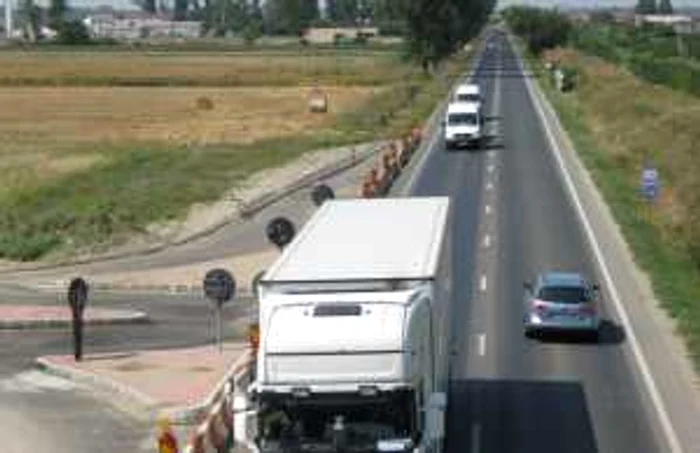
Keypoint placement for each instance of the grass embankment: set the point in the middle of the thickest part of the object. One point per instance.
(85, 165)
(617, 122)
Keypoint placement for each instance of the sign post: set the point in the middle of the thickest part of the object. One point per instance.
(220, 287)
(649, 186)
(77, 298)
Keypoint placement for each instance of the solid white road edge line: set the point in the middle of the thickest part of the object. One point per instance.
(476, 438)
(482, 344)
(665, 420)
(482, 283)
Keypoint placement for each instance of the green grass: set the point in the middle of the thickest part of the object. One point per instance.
(675, 277)
(136, 184)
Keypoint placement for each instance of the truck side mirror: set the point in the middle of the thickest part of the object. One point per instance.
(596, 287)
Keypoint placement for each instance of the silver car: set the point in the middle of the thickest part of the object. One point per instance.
(562, 302)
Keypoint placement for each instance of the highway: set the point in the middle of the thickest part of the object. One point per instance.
(512, 220)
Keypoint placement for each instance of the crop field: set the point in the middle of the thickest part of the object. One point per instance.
(95, 146)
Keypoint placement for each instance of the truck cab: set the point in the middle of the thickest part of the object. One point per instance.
(353, 351)
(468, 93)
(463, 125)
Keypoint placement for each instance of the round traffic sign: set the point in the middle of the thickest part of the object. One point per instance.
(219, 285)
(77, 294)
(280, 231)
(321, 193)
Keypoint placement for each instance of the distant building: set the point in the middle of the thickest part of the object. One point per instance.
(138, 25)
(319, 35)
(680, 23)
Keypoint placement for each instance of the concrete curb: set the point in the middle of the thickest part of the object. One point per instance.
(138, 404)
(126, 398)
(246, 211)
(50, 323)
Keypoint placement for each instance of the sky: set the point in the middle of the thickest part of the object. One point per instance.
(603, 3)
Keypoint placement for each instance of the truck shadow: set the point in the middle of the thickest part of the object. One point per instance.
(502, 416)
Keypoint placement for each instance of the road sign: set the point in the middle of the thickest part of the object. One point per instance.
(280, 231)
(77, 298)
(321, 193)
(649, 186)
(219, 285)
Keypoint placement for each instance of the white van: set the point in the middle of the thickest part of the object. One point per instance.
(463, 125)
(468, 92)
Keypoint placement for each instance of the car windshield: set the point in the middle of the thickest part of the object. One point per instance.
(563, 294)
(462, 119)
(468, 98)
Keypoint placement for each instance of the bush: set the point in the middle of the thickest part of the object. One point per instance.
(541, 29)
(73, 33)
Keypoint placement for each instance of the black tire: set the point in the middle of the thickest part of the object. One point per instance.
(531, 333)
(594, 336)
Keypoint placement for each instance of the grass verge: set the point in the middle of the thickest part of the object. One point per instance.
(614, 163)
(133, 185)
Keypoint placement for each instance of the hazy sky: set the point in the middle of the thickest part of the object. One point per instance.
(678, 3)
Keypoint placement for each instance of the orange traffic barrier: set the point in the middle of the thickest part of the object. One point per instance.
(167, 442)
(367, 190)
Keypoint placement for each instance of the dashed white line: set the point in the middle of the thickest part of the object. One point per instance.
(482, 344)
(487, 209)
(489, 186)
(487, 241)
(482, 283)
(476, 438)
(490, 168)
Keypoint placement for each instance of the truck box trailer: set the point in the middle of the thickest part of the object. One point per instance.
(353, 352)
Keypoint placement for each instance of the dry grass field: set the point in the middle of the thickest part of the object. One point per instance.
(94, 146)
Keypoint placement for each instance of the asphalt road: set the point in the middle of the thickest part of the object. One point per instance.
(40, 413)
(511, 394)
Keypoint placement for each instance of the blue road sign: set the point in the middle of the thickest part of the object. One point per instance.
(649, 187)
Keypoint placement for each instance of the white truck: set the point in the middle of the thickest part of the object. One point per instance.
(353, 352)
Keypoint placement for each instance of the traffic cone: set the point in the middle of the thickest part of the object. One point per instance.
(167, 442)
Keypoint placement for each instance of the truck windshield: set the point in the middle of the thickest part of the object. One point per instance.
(462, 119)
(351, 423)
(468, 98)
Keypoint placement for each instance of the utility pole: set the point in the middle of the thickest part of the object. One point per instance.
(8, 18)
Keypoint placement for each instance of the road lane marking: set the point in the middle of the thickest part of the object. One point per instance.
(487, 209)
(482, 283)
(482, 344)
(476, 438)
(489, 186)
(657, 400)
(487, 241)
(491, 168)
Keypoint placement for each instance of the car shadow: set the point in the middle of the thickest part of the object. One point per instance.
(609, 333)
(524, 416)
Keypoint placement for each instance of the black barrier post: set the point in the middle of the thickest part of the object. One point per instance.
(77, 298)
(321, 193)
(280, 231)
(220, 287)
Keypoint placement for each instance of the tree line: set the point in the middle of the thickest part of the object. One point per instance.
(433, 29)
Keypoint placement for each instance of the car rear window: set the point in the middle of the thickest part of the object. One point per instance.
(563, 294)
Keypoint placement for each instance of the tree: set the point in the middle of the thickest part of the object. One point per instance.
(431, 31)
(646, 7)
(73, 32)
(149, 6)
(665, 7)
(30, 15)
(290, 16)
(57, 13)
(181, 8)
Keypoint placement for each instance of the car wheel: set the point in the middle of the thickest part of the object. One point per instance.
(594, 336)
(530, 333)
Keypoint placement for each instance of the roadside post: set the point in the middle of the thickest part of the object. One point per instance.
(219, 287)
(167, 442)
(77, 298)
(280, 231)
(649, 187)
(321, 193)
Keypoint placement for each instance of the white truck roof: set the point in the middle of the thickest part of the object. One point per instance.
(462, 107)
(468, 88)
(366, 239)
